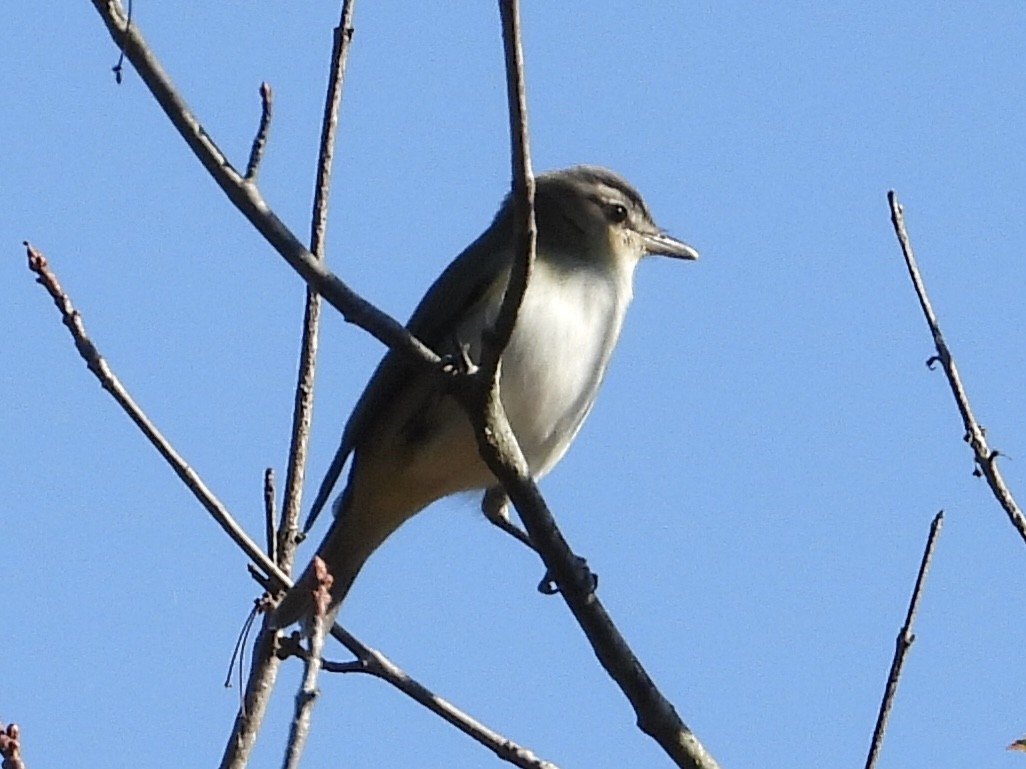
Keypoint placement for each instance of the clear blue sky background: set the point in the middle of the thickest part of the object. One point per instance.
(754, 486)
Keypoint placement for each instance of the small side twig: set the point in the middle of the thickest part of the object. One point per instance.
(902, 644)
(256, 152)
(308, 692)
(270, 516)
(984, 456)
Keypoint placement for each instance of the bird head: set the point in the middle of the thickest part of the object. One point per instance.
(591, 213)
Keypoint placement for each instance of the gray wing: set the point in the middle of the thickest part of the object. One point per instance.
(452, 296)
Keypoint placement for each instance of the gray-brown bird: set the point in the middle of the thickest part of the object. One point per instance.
(411, 443)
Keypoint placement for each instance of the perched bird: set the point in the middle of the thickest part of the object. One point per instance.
(411, 442)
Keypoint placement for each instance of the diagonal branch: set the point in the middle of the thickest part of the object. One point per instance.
(108, 380)
(247, 198)
(985, 457)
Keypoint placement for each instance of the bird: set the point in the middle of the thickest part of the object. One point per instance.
(409, 440)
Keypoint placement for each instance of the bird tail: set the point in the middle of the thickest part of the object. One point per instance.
(356, 532)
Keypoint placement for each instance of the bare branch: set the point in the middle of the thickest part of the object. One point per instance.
(262, 676)
(247, 198)
(270, 516)
(259, 685)
(379, 666)
(986, 458)
(904, 641)
(98, 366)
(302, 412)
(525, 229)
(256, 152)
(483, 402)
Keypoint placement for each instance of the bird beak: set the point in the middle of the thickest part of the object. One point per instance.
(661, 244)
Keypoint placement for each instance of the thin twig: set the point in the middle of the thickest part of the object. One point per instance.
(98, 366)
(259, 685)
(524, 227)
(302, 411)
(985, 457)
(238, 658)
(270, 516)
(256, 152)
(904, 641)
(119, 68)
(308, 692)
(379, 666)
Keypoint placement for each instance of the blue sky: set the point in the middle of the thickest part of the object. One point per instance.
(753, 487)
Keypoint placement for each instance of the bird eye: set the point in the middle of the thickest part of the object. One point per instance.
(617, 213)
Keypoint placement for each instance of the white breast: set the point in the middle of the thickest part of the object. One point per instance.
(551, 371)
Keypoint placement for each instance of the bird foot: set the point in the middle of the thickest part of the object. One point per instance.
(459, 362)
(549, 586)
